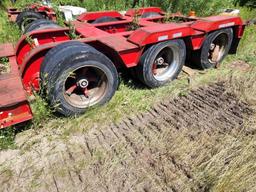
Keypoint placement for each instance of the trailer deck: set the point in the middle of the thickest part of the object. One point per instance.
(14, 106)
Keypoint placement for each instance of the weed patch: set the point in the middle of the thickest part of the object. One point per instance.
(7, 137)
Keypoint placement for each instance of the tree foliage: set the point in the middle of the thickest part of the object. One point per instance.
(247, 3)
(202, 7)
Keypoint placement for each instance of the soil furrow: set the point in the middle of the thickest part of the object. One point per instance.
(138, 153)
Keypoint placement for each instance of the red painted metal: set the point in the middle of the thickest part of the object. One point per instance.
(13, 13)
(118, 40)
(14, 107)
(15, 114)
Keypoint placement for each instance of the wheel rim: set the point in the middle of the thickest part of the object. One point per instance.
(166, 63)
(27, 21)
(217, 48)
(85, 86)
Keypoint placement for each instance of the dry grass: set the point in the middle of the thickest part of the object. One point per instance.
(244, 85)
(231, 166)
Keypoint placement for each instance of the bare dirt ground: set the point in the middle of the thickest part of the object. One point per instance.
(240, 65)
(160, 150)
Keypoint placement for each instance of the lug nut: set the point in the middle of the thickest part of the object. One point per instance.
(83, 83)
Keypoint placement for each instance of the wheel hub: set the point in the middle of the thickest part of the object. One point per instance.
(217, 48)
(212, 46)
(165, 64)
(85, 86)
(160, 61)
(83, 83)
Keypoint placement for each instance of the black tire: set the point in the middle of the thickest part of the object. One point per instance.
(150, 15)
(208, 57)
(70, 60)
(27, 17)
(51, 56)
(41, 24)
(104, 20)
(47, 69)
(54, 56)
(172, 54)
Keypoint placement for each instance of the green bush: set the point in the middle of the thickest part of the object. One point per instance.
(201, 7)
(247, 3)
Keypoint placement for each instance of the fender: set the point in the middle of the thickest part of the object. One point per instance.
(213, 23)
(154, 34)
(37, 38)
(141, 11)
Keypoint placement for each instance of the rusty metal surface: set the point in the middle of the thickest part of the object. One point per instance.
(11, 87)
(11, 91)
(14, 107)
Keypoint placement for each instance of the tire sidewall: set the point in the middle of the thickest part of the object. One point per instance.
(40, 24)
(150, 57)
(54, 54)
(205, 63)
(54, 61)
(27, 14)
(56, 92)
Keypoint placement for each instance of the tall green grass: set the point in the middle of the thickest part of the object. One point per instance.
(201, 6)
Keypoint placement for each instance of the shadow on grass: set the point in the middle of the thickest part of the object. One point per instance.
(130, 80)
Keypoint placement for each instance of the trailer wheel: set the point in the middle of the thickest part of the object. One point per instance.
(81, 78)
(215, 48)
(55, 54)
(27, 17)
(161, 63)
(41, 24)
(104, 19)
(150, 15)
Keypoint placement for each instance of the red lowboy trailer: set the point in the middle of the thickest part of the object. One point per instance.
(34, 12)
(42, 9)
(75, 74)
(31, 13)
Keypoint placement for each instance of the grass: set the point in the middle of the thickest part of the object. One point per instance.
(232, 167)
(132, 98)
(7, 138)
(4, 65)
(8, 31)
